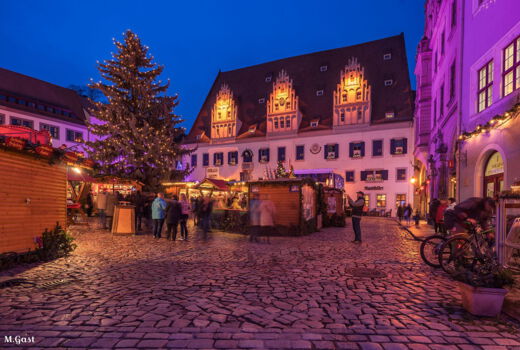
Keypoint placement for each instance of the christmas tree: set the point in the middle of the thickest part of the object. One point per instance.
(280, 170)
(139, 135)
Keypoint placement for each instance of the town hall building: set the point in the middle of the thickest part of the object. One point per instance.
(343, 116)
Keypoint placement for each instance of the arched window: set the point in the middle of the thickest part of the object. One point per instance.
(494, 175)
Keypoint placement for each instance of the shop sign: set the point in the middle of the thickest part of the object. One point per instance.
(373, 188)
(15, 143)
(495, 165)
(212, 173)
(44, 150)
(71, 156)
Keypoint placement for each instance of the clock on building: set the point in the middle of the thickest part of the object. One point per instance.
(315, 148)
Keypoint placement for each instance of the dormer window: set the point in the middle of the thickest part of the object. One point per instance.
(268, 79)
(389, 115)
(387, 56)
(315, 123)
(323, 68)
(252, 129)
(319, 92)
(261, 100)
(389, 82)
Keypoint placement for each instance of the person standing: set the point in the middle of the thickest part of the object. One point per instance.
(173, 216)
(138, 201)
(89, 201)
(185, 214)
(439, 217)
(267, 210)
(434, 204)
(400, 212)
(158, 214)
(357, 212)
(452, 203)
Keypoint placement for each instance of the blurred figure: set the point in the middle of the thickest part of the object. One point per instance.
(139, 202)
(439, 218)
(254, 218)
(452, 203)
(267, 210)
(101, 207)
(408, 212)
(185, 214)
(111, 204)
(434, 204)
(357, 212)
(173, 216)
(89, 203)
(417, 218)
(400, 212)
(206, 210)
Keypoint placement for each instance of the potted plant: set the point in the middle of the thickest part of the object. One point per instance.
(482, 290)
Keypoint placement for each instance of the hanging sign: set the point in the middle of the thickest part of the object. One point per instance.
(15, 143)
(71, 157)
(44, 150)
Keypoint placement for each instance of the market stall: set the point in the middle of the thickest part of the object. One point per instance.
(294, 200)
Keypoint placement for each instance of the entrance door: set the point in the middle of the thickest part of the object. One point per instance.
(494, 175)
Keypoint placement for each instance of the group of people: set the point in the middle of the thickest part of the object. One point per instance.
(174, 213)
(437, 210)
(405, 212)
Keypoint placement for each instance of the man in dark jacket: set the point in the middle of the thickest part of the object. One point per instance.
(357, 212)
(474, 210)
(139, 202)
(173, 215)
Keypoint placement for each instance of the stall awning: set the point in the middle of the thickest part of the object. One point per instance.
(220, 185)
(74, 176)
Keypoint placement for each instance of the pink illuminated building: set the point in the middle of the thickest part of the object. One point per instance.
(468, 72)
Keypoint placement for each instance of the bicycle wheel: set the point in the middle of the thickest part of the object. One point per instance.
(430, 248)
(454, 253)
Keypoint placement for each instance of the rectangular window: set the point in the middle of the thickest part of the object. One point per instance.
(356, 149)
(300, 152)
(232, 158)
(399, 146)
(281, 154)
(377, 148)
(367, 200)
(74, 136)
(22, 122)
(53, 130)
(381, 200)
(349, 176)
(511, 72)
(374, 175)
(485, 86)
(263, 155)
(401, 174)
(400, 199)
(205, 159)
(452, 80)
(218, 159)
(331, 151)
(193, 160)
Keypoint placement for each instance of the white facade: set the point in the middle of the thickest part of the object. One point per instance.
(314, 143)
(65, 130)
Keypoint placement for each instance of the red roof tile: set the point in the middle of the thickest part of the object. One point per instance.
(249, 85)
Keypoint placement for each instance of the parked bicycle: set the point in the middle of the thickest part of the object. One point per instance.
(467, 250)
(430, 248)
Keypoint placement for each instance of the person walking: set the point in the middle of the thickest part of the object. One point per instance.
(185, 214)
(206, 210)
(158, 214)
(267, 210)
(254, 217)
(173, 216)
(408, 212)
(89, 204)
(357, 212)
(434, 204)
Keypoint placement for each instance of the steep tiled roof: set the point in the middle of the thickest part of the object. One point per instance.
(65, 104)
(249, 85)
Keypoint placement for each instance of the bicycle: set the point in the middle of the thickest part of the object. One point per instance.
(467, 250)
(430, 248)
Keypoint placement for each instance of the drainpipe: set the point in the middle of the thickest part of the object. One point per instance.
(459, 114)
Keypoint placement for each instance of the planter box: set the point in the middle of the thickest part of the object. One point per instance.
(481, 301)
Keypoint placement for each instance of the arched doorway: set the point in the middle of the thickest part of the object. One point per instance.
(493, 175)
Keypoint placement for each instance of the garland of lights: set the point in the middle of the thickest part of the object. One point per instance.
(495, 122)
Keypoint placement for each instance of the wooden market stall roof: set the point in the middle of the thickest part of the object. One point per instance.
(215, 184)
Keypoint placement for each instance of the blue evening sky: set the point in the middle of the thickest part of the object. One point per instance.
(60, 40)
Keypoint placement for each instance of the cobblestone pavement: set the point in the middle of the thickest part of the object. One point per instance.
(295, 293)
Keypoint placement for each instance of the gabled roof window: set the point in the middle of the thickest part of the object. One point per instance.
(319, 92)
